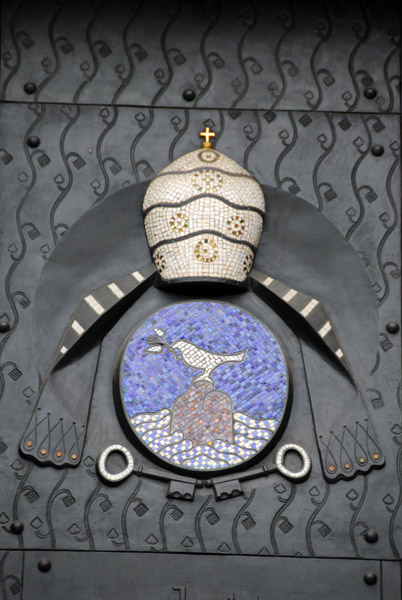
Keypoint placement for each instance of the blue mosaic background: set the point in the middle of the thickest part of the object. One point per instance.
(257, 386)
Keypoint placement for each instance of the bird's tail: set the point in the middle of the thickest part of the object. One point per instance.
(237, 357)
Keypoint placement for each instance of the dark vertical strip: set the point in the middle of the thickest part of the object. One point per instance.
(13, 36)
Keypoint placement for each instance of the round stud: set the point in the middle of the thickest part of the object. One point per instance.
(59, 454)
(30, 87)
(371, 536)
(362, 460)
(331, 468)
(189, 95)
(17, 527)
(33, 141)
(29, 444)
(376, 456)
(74, 456)
(4, 325)
(370, 93)
(43, 451)
(377, 150)
(44, 565)
(347, 466)
(392, 327)
(370, 578)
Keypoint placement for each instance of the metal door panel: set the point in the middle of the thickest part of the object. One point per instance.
(232, 55)
(111, 576)
(50, 197)
(306, 97)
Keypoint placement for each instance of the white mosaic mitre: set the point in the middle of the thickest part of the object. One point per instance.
(203, 218)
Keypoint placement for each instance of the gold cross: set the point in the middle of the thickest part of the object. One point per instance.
(207, 134)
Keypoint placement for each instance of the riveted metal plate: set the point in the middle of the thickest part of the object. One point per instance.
(310, 56)
(176, 577)
(283, 87)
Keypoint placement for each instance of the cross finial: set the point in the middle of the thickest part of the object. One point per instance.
(207, 134)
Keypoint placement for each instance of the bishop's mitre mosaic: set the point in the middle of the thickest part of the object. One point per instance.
(203, 217)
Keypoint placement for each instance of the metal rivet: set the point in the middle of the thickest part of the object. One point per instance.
(347, 466)
(392, 327)
(377, 150)
(44, 565)
(33, 141)
(17, 527)
(376, 456)
(59, 454)
(30, 87)
(370, 93)
(371, 536)
(43, 451)
(189, 95)
(4, 325)
(370, 578)
(29, 444)
(362, 461)
(331, 468)
(74, 456)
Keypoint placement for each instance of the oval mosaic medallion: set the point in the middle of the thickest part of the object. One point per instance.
(204, 385)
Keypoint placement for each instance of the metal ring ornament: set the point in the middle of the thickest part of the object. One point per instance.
(115, 477)
(306, 460)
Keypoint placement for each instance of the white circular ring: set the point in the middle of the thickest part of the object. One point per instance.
(114, 477)
(303, 455)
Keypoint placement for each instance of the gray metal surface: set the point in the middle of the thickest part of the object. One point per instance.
(11, 574)
(344, 509)
(274, 80)
(195, 577)
(287, 55)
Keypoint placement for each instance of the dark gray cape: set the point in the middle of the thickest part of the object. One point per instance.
(299, 247)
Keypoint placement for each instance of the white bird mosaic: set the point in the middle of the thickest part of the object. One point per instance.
(192, 355)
